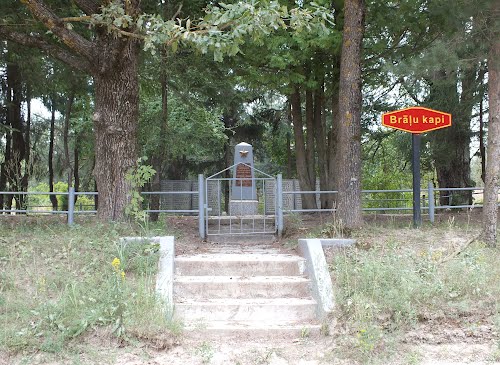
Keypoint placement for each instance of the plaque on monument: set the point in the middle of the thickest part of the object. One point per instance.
(243, 189)
(243, 172)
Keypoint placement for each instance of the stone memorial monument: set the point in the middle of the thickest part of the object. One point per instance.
(243, 190)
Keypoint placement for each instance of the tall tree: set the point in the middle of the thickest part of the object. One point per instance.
(349, 127)
(490, 207)
(112, 62)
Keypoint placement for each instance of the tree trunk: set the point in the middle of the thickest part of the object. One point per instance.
(450, 147)
(53, 198)
(18, 146)
(349, 133)
(490, 207)
(67, 160)
(321, 145)
(28, 165)
(76, 167)
(333, 146)
(308, 200)
(115, 124)
(289, 157)
(482, 148)
(310, 150)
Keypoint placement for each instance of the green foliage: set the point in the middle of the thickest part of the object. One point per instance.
(224, 28)
(194, 134)
(387, 166)
(42, 202)
(137, 177)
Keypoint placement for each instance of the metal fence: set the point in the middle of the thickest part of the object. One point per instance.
(287, 193)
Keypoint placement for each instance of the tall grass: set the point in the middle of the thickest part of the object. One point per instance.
(384, 291)
(57, 283)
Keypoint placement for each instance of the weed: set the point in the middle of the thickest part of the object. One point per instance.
(205, 351)
(325, 329)
(137, 177)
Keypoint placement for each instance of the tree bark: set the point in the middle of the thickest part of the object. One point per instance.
(490, 206)
(28, 165)
(17, 144)
(76, 167)
(349, 131)
(53, 198)
(115, 123)
(308, 200)
(310, 150)
(333, 145)
(67, 118)
(450, 147)
(321, 144)
(67, 159)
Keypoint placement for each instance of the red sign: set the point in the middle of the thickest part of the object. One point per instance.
(416, 120)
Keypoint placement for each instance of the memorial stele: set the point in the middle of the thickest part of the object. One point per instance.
(243, 190)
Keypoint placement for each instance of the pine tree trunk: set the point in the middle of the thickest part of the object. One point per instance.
(76, 167)
(333, 147)
(349, 132)
(18, 146)
(321, 145)
(115, 124)
(53, 198)
(310, 158)
(28, 165)
(450, 147)
(67, 160)
(490, 207)
(308, 200)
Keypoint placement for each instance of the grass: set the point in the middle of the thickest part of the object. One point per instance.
(400, 281)
(58, 284)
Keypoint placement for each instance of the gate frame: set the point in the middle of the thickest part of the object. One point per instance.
(203, 207)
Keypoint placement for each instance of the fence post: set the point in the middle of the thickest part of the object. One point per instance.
(71, 205)
(279, 207)
(201, 205)
(430, 188)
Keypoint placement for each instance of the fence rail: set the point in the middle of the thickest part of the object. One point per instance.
(372, 200)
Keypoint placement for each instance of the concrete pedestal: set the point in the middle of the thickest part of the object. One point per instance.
(243, 207)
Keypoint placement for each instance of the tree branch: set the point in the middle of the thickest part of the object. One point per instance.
(70, 38)
(88, 6)
(35, 41)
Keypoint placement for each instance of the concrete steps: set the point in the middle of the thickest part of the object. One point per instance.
(251, 294)
(239, 264)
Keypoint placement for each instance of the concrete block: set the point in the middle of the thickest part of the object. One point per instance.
(337, 242)
(317, 270)
(165, 276)
(243, 207)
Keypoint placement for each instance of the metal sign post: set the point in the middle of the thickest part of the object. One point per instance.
(416, 120)
(415, 143)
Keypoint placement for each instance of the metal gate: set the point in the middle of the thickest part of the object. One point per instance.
(228, 212)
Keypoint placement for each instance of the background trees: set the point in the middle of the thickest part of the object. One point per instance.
(291, 86)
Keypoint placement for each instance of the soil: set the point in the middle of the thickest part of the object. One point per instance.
(438, 339)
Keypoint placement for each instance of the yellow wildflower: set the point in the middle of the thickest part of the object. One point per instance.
(116, 263)
(123, 275)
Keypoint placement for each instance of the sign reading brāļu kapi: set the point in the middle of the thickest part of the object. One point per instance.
(416, 120)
